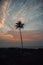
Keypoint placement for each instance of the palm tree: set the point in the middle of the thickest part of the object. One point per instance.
(20, 25)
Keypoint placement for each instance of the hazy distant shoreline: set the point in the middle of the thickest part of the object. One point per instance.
(25, 45)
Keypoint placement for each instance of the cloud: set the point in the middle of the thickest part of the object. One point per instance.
(28, 11)
(6, 37)
(27, 36)
(3, 18)
(9, 38)
(4, 14)
(1, 25)
(4, 6)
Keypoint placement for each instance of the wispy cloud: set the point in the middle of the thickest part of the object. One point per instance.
(27, 36)
(28, 11)
(3, 25)
(4, 7)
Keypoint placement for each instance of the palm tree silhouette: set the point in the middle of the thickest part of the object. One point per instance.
(20, 25)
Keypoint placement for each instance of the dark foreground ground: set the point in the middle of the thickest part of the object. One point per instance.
(17, 56)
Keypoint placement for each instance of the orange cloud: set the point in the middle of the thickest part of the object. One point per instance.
(1, 25)
(4, 13)
(6, 35)
(26, 36)
(9, 37)
(4, 7)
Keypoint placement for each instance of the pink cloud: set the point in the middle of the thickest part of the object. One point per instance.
(26, 36)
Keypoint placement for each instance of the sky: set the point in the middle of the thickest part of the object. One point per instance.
(29, 12)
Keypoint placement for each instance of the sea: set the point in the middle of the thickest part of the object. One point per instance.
(31, 45)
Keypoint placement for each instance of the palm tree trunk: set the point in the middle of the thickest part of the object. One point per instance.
(21, 38)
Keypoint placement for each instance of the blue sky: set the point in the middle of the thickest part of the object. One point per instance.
(29, 12)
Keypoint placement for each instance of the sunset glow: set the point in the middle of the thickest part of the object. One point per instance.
(29, 12)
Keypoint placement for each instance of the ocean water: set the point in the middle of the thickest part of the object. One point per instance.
(25, 44)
